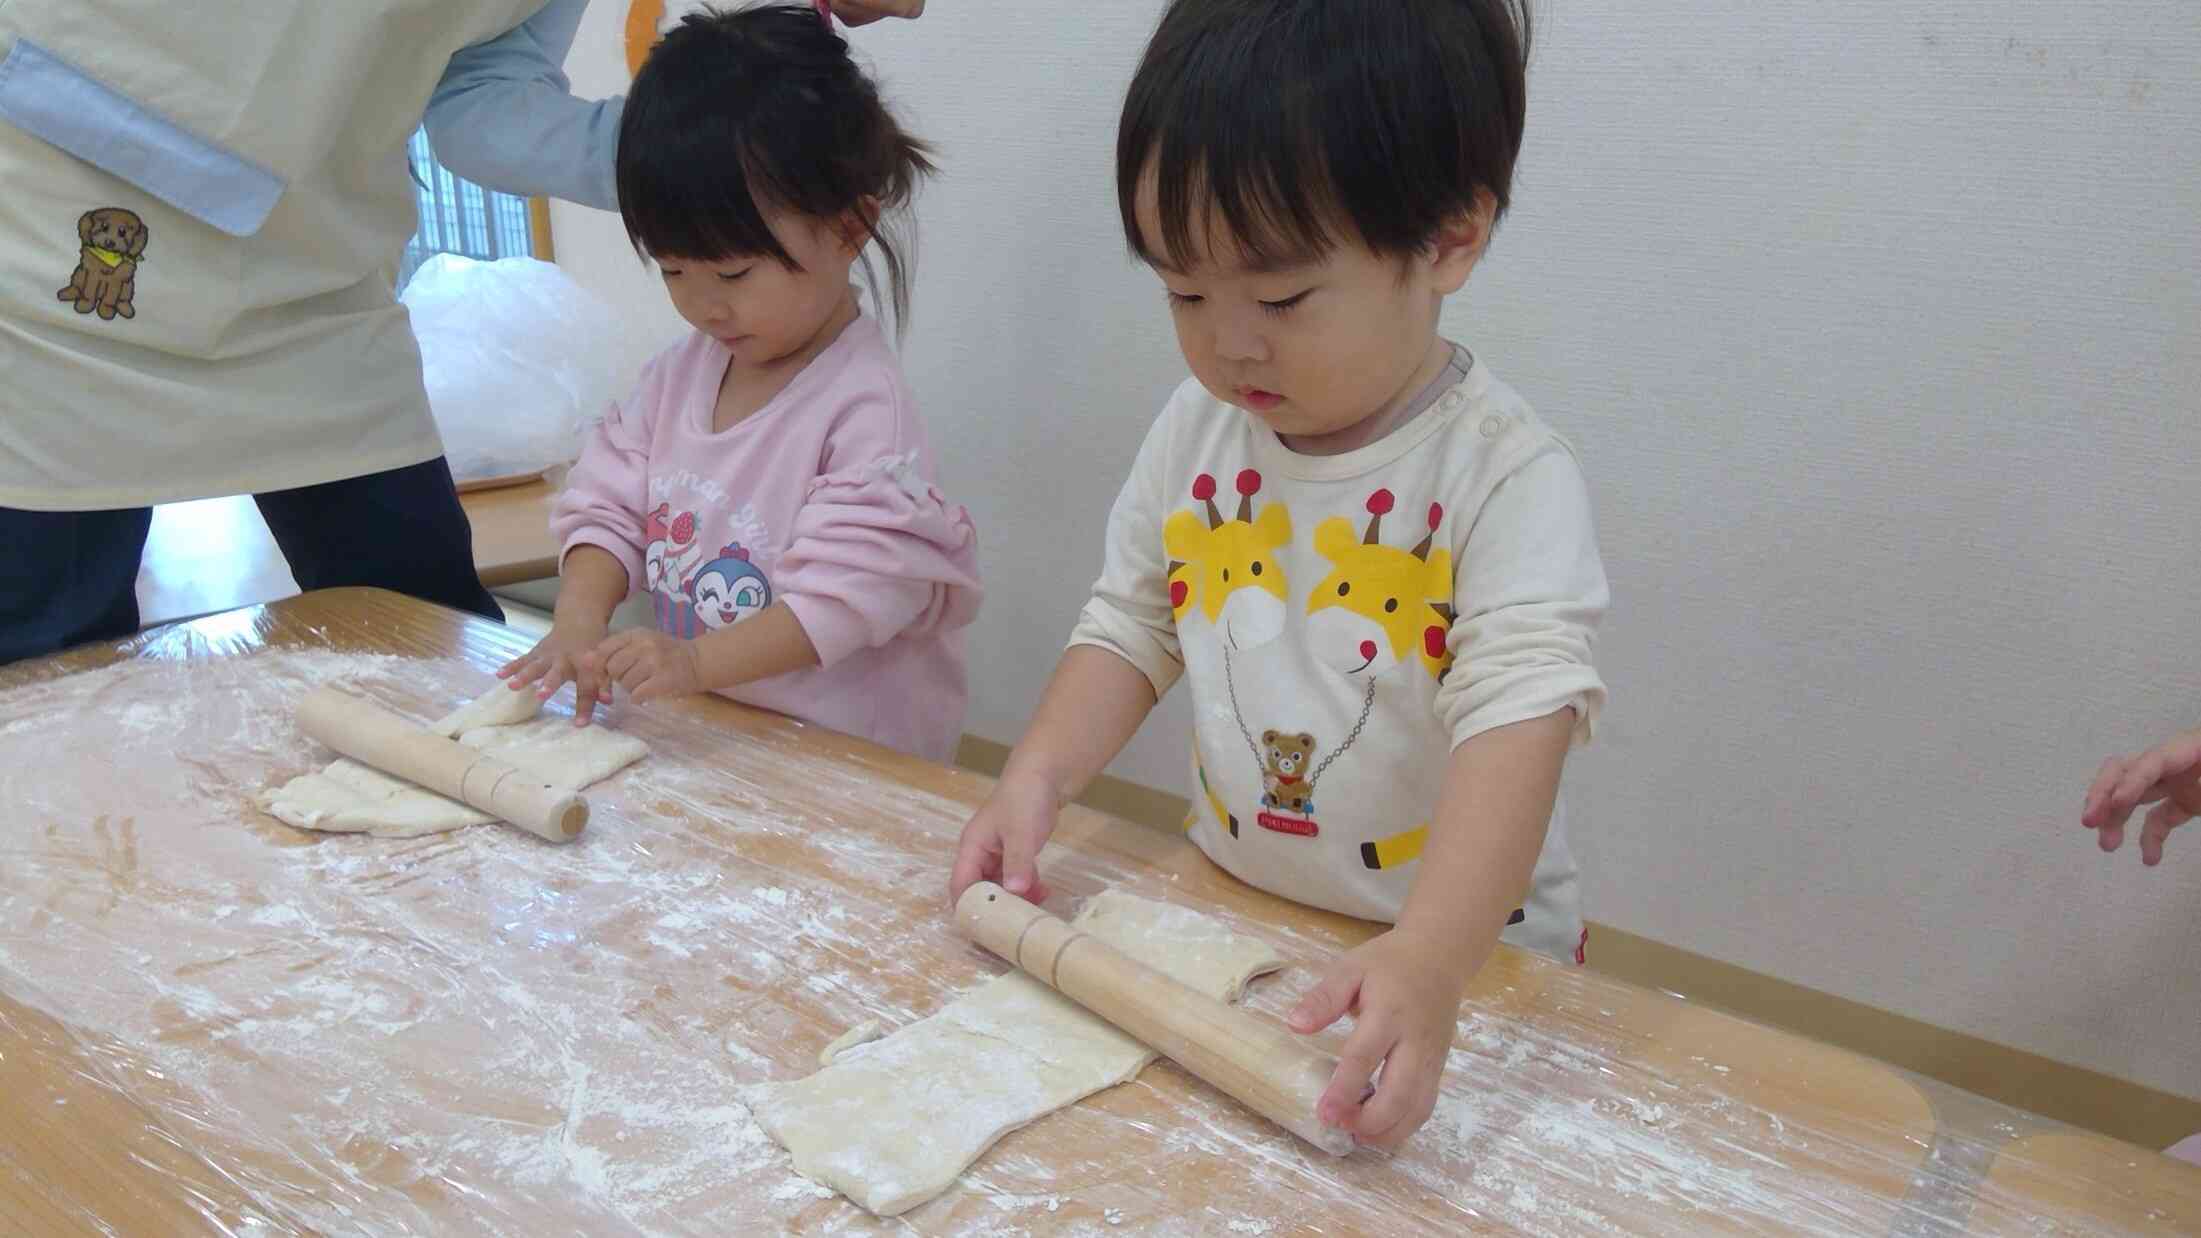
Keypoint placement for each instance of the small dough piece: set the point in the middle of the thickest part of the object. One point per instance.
(350, 798)
(861, 1034)
(894, 1124)
(500, 706)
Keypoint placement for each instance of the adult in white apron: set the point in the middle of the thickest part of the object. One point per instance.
(204, 203)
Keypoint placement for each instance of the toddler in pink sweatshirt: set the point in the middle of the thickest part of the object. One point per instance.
(768, 485)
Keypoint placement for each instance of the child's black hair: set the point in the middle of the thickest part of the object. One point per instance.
(738, 111)
(1305, 122)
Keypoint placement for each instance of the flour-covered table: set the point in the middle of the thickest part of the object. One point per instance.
(213, 1023)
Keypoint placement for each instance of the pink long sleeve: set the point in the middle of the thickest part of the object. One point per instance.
(877, 551)
(606, 494)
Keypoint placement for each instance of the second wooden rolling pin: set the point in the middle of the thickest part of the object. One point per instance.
(372, 735)
(1264, 1067)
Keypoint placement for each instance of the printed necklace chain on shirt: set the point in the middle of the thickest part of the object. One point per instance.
(1286, 825)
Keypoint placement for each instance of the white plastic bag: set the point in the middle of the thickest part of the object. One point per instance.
(516, 361)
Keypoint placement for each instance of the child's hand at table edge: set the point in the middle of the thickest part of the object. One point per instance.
(560, 656)
(2167, 776)
(648, 665)
(1002, 841)
(1404, 993)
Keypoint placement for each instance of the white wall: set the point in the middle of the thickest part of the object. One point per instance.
(1880, 329)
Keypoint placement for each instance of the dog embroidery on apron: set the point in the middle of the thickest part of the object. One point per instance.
(106, 279)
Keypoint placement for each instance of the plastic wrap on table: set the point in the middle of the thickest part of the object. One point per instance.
(265, 1031)
(515, 359)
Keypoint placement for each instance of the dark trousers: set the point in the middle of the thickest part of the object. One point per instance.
(71, 577)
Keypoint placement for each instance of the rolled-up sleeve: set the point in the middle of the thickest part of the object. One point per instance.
(1530, 593)
(1129, 613)
(877, 553)
(504, 116)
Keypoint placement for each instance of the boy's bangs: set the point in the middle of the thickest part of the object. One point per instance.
(1213, 150)
(1303, 125)
(1218, 205)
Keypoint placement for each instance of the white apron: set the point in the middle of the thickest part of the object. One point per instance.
(202, 203)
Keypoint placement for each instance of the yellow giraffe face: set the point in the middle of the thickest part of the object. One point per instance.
(1380, 606)
(1228, 568)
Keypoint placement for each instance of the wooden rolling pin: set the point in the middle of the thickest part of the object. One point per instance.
(1264, 1067)
(372, 735)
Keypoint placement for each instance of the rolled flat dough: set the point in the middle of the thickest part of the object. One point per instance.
(350, 798)
(892, 1123)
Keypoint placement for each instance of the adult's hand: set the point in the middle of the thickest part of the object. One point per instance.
(865, 12)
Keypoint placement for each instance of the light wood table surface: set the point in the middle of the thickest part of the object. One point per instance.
(2076, 1173)
(216, 555)
(211, 1023)
(512, 541)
